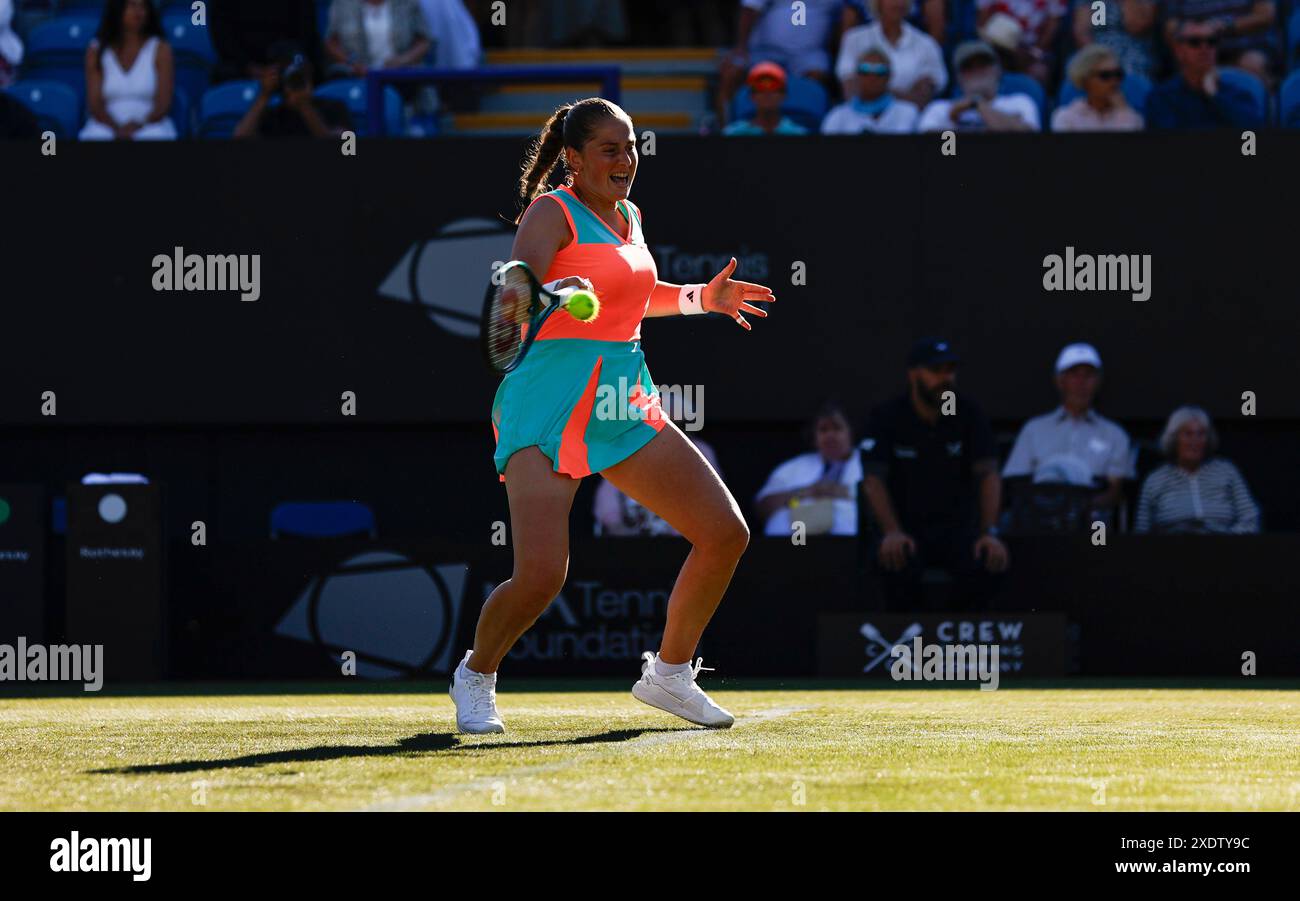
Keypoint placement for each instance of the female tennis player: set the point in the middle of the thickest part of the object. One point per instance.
(550, 431)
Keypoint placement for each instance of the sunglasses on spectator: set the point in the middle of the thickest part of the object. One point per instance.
(764, 85)
(1201, 42)
(873, 68)
(1110, 74)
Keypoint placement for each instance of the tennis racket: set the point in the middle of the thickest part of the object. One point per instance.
(513, 311)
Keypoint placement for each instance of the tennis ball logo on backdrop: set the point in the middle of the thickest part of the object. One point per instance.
(397, 616)
(446, 275)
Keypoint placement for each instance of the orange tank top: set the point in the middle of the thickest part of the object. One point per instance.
(621, 269)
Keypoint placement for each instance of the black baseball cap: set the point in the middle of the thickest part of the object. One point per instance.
(931, 352)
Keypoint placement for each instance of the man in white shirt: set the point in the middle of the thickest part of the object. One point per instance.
(980, 108)
(871, 108)
(1074, 435)
(917, 73)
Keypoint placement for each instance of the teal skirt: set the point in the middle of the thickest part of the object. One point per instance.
(586, 404)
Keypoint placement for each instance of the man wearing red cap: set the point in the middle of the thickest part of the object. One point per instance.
(767, 89)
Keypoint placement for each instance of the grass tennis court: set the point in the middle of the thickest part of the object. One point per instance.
(588, 745)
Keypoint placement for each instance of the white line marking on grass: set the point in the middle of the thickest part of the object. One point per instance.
(590, 753)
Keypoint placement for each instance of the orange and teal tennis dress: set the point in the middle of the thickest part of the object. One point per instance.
(583, 394)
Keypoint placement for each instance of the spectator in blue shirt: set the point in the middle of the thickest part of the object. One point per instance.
(767, 90)
(1195, 98)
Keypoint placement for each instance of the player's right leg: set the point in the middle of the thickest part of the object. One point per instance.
(540, 500)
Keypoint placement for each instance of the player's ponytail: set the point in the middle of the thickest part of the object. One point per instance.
(570, 125)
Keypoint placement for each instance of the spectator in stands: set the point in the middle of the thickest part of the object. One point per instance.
(1243, 28)
(917, 73)
(768, 31)
(819, 488)
(130, 76)
(375, 34)
(299, 114)
(931, 16)
(11, 46)
(456, 43)
(617, 514)
(1074, 443)
(1128, 31)
(931, 481)
(1195, 491)
(1196, 98)
(250, 36)
(871, 107)
(17, 122)
(1096, 71)
(767, 90)
(1039, 21)
(980, 107)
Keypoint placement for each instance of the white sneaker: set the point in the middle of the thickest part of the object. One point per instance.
(679, 695)
(475, 696)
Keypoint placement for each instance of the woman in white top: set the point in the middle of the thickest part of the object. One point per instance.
(917, 71)
(871, 108)
(1096, 71)
(129, 76)
(819, 489)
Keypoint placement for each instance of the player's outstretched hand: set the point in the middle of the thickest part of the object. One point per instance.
(722, 295)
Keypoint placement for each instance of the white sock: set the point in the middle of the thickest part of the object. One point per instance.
(669, 669)
(491, 677)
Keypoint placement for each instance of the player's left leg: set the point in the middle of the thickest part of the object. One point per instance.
(671, 477)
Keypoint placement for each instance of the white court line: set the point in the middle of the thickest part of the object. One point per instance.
(447, 793)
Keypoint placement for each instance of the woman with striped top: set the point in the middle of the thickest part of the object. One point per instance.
(1196, 491)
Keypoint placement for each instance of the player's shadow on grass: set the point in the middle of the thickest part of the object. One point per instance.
(415, 744)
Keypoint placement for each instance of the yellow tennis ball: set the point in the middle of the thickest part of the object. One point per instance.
(583, 306)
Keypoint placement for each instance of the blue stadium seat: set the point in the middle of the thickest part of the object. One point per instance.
(1289, 101)
(56, 50)
(352, 91)
(1135, 88)
(805, 103)
(1249, 83)
(1292, 39)
(82, 7)
(322, 519)
(221, 108)
(182, 113)
(55, 105)
(193, 53)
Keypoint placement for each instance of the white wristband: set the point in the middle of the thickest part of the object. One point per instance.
(690, 300)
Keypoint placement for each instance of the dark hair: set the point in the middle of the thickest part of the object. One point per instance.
(830, 407)
(570, 125)
(110, 23)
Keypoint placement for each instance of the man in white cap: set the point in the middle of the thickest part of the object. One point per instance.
(1074, 441)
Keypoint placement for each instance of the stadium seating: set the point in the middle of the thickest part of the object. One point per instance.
(182, 112)
(1136, 88)
(805, 103)
(192, 51)
(56, 51)
(322, 519)
(352, 91)
(1289, 101)
(221, 108)
(1249, 83)
(1292, 39)
(55, 105)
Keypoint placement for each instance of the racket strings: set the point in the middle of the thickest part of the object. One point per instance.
(507, 325)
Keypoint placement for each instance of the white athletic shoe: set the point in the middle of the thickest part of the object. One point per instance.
(679, 695)
(475, 696)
